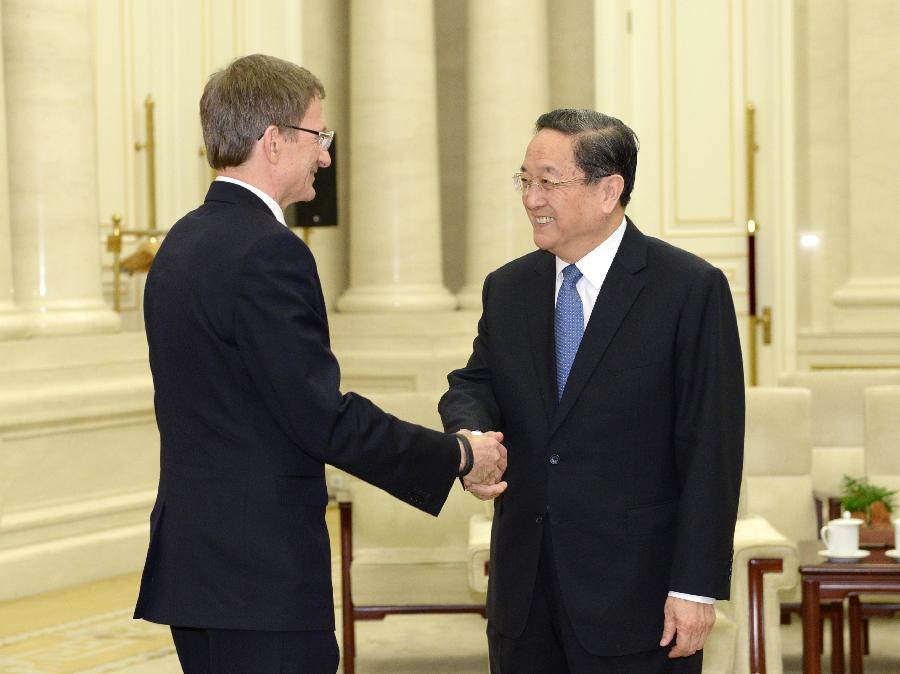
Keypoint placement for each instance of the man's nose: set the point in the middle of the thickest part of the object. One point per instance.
(324, 159)
(533, 198)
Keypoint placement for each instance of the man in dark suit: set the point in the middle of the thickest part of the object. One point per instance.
(247, 399)
(611, 362)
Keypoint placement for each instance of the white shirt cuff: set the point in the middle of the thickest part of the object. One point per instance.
(693, 597)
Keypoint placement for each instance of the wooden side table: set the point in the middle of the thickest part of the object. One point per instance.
(824, 580)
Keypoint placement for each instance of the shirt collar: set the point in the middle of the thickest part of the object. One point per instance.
(267, 200)
(595, 265)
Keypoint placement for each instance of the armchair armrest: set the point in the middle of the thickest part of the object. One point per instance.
(764, 563)
(339, 485)
(479, 552)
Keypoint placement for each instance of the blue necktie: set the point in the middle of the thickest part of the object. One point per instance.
(569, 326)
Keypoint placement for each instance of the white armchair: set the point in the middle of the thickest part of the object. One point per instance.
(777, 460)
(838, 434)
(777, 473)
(398, 560)
(765, 566)
(882, 436)
(480, 550)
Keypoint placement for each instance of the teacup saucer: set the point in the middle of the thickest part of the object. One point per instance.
(845, 556)
(893, 553)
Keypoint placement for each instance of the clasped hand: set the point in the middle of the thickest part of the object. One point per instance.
(485, 480)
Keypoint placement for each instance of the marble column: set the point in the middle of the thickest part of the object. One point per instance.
(326, 44)
(508, 90)
(395, 242)
(12, 323)
(53, 178)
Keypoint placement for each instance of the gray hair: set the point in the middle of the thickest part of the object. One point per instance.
(604, 145)
(240, 101)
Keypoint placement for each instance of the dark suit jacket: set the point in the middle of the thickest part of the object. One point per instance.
(638, 467)
(249, 411)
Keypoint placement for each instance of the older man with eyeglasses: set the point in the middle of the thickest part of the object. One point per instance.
(248, 404)
(611, 362)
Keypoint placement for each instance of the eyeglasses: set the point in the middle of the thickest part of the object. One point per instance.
(522, 183)
(325, 137)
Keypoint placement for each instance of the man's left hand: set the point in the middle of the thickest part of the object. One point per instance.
(483, 491)
(688, 623)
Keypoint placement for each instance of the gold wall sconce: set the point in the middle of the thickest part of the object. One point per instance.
(141, 259)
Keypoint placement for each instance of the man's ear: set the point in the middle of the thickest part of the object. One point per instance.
(271, 144)
(612, 190)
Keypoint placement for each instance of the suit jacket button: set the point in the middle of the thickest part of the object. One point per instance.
(554, 459)
(539, 519)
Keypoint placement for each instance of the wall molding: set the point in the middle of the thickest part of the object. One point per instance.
(871, 291)
(65, 513)
(58, 563)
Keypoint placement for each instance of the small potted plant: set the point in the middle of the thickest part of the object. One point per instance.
(870, 503)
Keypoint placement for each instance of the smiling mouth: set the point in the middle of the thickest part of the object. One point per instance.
(543, 220)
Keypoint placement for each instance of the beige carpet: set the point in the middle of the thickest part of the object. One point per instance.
(884, 642)
(89, 630)
(82, 629)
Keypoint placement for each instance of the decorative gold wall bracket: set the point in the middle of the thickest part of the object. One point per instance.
(139, 261)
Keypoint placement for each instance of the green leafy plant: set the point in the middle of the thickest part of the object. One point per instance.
(859, 495)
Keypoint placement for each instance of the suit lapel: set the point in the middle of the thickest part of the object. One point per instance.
(537, 304)
(619, 291)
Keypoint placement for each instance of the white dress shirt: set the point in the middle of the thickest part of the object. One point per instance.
(269, 201)
(594, 267)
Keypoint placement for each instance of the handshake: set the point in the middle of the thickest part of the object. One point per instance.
(484, 480)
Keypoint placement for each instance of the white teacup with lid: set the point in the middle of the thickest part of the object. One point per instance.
(842, 535)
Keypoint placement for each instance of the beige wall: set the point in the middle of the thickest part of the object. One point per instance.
(77, 438)
(656, 65)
